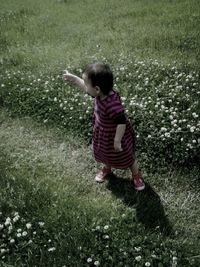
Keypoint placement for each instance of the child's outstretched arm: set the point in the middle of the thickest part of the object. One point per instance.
(75, 79)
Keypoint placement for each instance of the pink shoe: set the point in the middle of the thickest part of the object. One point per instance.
(101, 176)
(138, 182)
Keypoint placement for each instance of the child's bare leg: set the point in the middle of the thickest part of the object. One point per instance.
(101, 176)
(134, 168)
(107, 167)
(137, 177)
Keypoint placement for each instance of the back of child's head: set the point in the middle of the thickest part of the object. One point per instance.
(100, 74)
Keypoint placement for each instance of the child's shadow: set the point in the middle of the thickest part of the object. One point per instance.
(149, 209)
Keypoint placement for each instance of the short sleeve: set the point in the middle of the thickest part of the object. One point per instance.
(115, 108)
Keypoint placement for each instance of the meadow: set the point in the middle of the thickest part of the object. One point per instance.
(51, 211)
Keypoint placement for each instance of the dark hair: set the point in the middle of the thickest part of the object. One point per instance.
(100, 75)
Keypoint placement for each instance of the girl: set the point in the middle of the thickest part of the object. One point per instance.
(113, 136)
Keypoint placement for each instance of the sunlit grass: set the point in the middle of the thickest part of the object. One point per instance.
(40, 34)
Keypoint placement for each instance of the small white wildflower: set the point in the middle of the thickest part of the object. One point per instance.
(8, 221)
(167, 134)
(19, 234)
(97, 263)
(137, 248)
(24, 233)
(19, 230)
(52, 249)
(16, 218)
(10, 229)
(138, 258)
(147, 264)
(106, 227)
(1, 226)
(12, 241)
(174, 259)
(3, 251)
(89, 260)
(106, 236)
(163, 129)
(3, 85)
(41, 224)
(55, 99)
(28, 225)
(34, 233)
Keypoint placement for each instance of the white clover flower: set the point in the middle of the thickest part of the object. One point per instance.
(89, 260)
(16, 218)
(106, 227)
(163, 129)
(19, 234)
(97, 263)
(138, 258)
(55, 99)
(10, 228)
(41, 224)
(147, 264)
(195, 115)
(24, 233)
(3, 85)
(3, 251)
(167, 134)
(52, 249)
(106, 237)
(137, 248)
(8, 221)
(192, 129)
(28, 225)
(12, 241)
(1, 226)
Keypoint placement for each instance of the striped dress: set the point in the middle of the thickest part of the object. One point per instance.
(104, 129)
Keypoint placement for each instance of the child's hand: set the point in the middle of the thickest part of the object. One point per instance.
(118, 146)
(68, 76)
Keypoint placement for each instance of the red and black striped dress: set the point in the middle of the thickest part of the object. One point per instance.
(104, 130)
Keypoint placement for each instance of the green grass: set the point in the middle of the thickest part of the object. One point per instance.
(52, 34)
(45, 177)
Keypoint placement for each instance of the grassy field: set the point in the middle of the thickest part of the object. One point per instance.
(45, 178)
(54, 33)
(51, 211)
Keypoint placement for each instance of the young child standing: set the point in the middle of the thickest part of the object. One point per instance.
(113, 136)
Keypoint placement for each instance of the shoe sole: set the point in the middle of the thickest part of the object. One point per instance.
(140, 188)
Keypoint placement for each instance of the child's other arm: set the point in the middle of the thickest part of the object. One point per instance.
(75, 79)
(120, 130)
